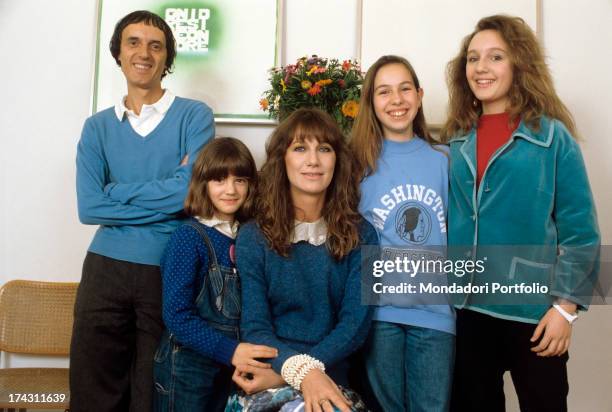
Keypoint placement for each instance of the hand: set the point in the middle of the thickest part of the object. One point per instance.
(185, 160)
(253, 379)
(321, 393)
(557, 333)
(246, 353)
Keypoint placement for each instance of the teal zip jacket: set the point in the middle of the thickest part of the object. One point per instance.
(531, 222)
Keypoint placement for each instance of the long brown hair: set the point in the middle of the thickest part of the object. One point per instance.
(367, 133)
(275, 211)
(532, 93)
(217, 160)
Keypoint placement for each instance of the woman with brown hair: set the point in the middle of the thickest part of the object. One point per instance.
(300, 264)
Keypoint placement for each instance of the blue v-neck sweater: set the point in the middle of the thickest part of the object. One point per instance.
(134, 186)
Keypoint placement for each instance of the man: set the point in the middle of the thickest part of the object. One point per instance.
(133, 168)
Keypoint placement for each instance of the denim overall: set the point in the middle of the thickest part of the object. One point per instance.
(184, 379)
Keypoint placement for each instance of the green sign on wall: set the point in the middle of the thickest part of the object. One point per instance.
(224, 51)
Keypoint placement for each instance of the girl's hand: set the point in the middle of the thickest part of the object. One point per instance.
(322, 394)
(253, 379)
(557, 333)
(246, 354)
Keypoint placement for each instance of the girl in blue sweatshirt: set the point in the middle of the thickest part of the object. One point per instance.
(404, 183)
(201, 287)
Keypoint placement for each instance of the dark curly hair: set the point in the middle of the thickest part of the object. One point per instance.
(275, 213)
(150, 19)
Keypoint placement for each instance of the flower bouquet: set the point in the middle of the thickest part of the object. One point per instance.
(315, 82)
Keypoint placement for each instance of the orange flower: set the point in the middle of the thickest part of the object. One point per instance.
(324, 82)
(263, 103)
(315, 69)
(306, 84)
(346, 65)
(350, 108)
(314, 90)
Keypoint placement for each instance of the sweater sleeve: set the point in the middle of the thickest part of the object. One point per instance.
(180, 286)
(95, 207)
(354, 318)
(578, 238)
(256, 322)
(168, 195)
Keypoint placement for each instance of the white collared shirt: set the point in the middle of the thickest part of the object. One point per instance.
(150, 114)
(314, 233)
(223, 226)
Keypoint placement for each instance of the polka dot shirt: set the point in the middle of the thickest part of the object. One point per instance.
(184, 267)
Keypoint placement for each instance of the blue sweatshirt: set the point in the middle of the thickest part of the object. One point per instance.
(184, 267)
(134, 186)
(405, 200)
(305, 303)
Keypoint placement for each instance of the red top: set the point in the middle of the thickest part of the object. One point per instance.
(493, 131)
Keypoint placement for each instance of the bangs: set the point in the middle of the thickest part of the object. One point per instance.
(224, 156)
(301, 125)
(311, 129)
(226, 164)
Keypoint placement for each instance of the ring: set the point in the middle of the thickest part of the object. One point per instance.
(322, 401)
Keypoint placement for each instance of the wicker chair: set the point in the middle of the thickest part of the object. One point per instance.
(35, 318)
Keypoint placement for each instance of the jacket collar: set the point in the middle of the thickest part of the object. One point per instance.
(543, 137)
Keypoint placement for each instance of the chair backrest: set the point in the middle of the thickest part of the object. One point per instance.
(36, 317)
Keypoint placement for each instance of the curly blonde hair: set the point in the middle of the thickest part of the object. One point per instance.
(532, 93)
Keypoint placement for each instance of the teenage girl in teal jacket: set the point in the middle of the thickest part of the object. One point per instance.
(520, 201)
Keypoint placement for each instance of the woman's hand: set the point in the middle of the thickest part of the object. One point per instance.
(322, 394)
(557, 332)
(253, 379)
(246, 354)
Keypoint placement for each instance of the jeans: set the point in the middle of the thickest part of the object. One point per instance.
(410, 368)
(186, 380)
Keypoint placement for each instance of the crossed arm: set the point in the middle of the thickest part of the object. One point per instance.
(101, 202)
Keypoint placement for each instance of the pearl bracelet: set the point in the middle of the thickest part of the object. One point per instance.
(296, 368)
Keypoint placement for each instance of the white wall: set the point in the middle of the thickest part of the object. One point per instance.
(577, 38)
(47, 62)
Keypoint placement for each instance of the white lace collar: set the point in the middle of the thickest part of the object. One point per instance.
(223, 226)
(314, 233)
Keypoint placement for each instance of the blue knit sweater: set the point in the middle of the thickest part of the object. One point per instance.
(134, 186)
(184, 267)
(305, 303)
